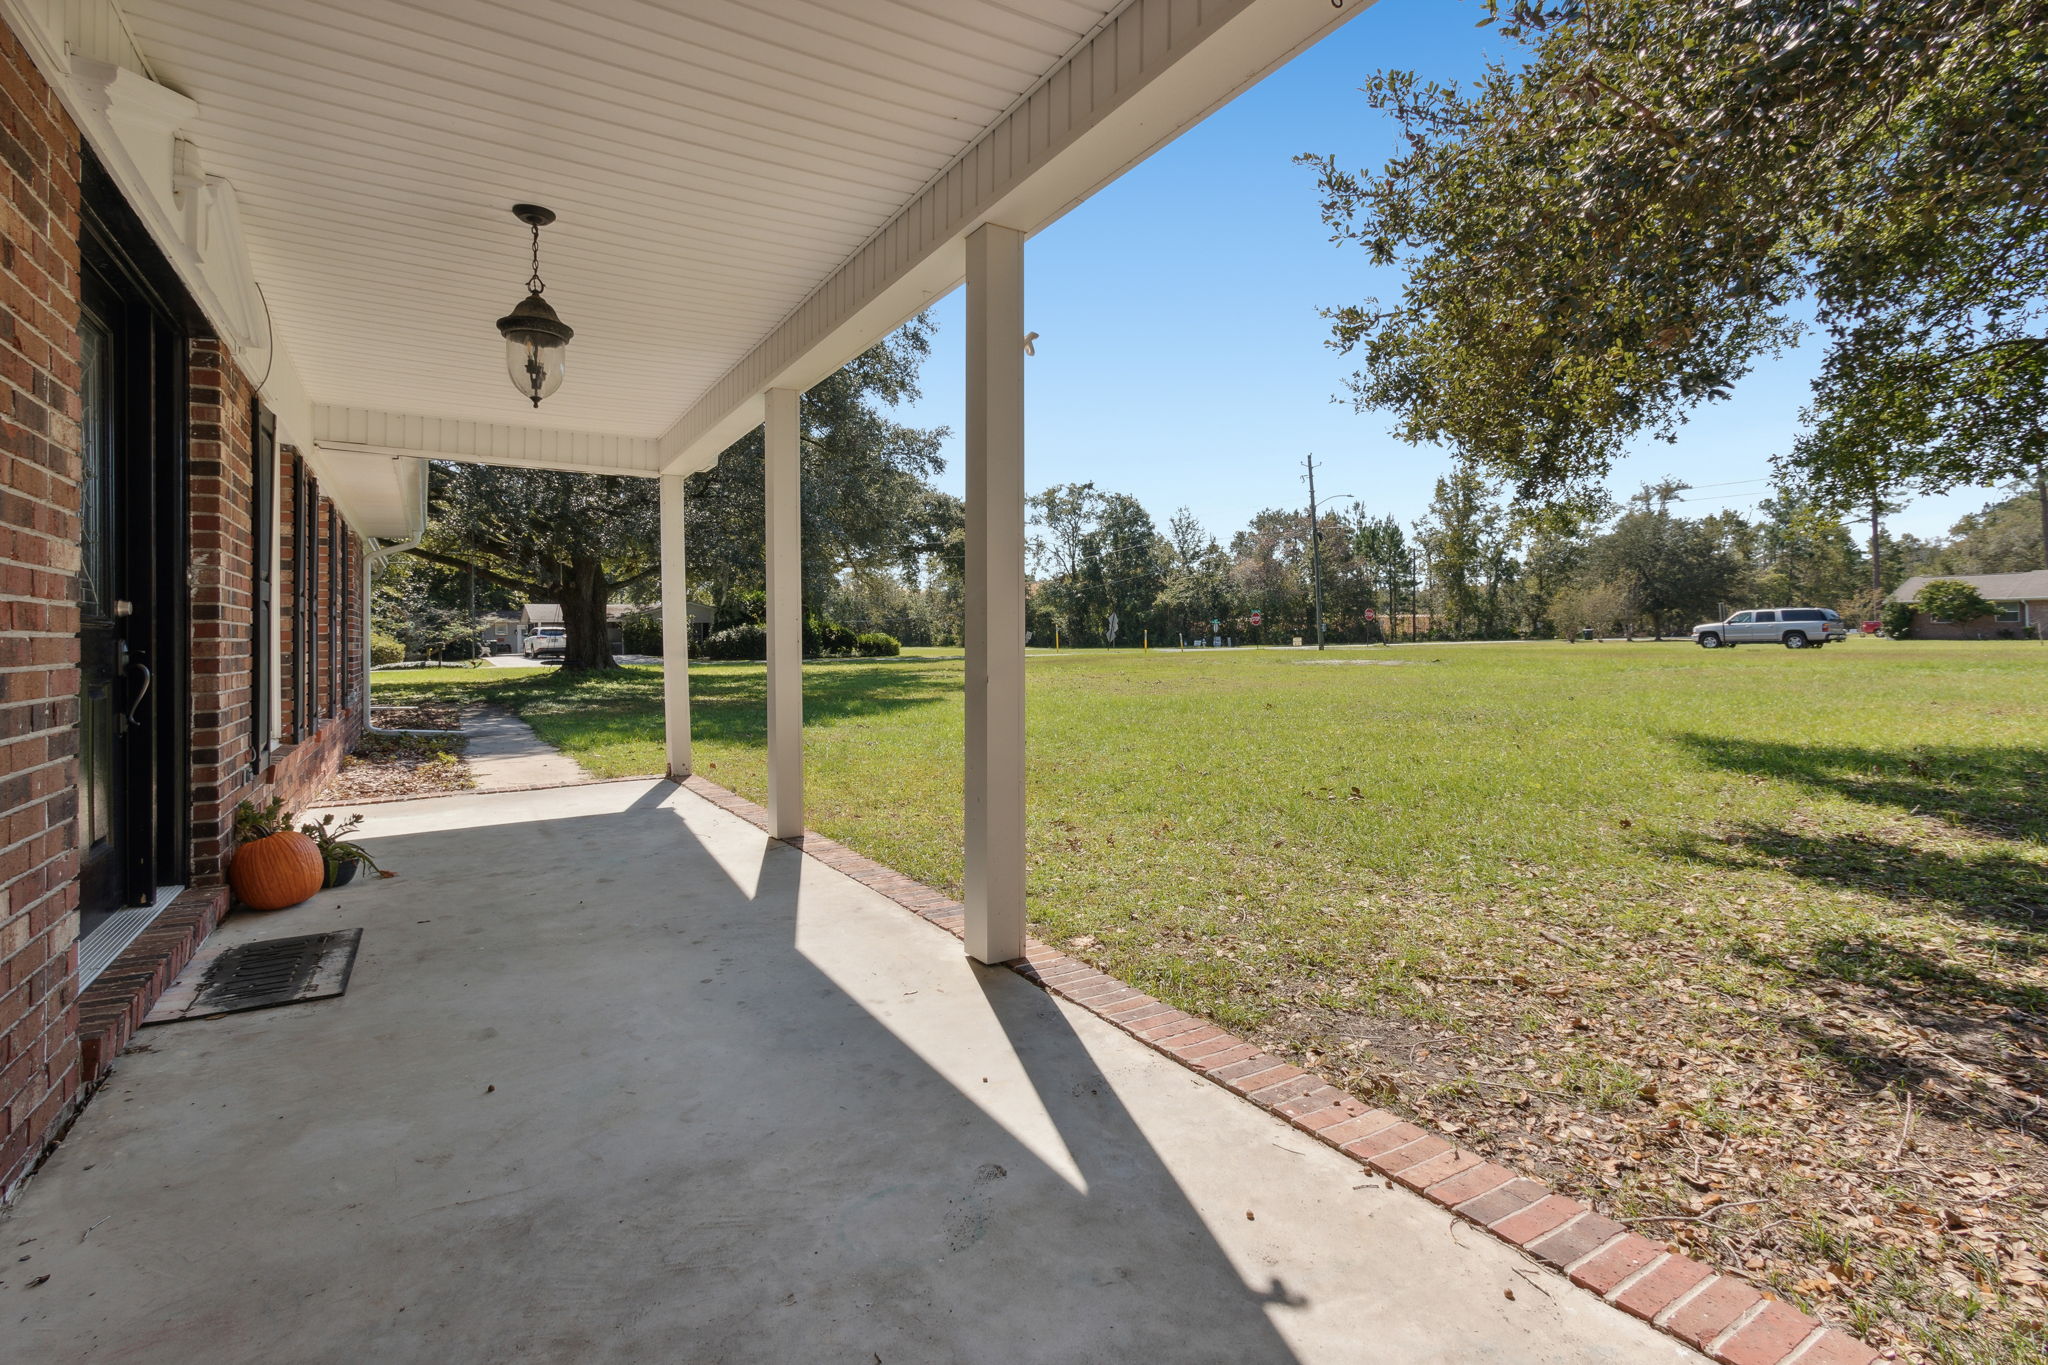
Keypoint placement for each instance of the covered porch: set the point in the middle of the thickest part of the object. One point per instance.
(619, 1077)
(739, 199)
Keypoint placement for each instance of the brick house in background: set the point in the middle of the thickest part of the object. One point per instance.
(182, 592)
(2021, 600)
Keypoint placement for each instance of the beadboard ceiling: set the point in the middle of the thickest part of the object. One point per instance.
(711, 161)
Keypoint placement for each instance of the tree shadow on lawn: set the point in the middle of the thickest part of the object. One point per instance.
(1889, 1013)
(2002, 891)
(1966, 1071)
(727, 703)
(1995, 790)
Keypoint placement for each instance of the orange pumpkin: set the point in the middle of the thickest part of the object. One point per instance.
(276, 871)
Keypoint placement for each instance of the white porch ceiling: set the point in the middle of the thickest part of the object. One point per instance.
(750, 191)
(712, 162)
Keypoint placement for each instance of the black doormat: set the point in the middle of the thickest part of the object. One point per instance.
(254, 976)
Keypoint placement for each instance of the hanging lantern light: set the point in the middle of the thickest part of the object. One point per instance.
(536, 341)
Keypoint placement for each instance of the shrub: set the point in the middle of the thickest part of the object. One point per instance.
(640, 632)
(740, 642)
(875, 645)
(1897, 618)
(1953, 601)
(386, 649)
(826, 637)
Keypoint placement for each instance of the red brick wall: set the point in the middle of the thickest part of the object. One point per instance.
(224, 743)
(39, 467)
(310, 558)
(222, 550)
(1925, 627)
(41, 1070)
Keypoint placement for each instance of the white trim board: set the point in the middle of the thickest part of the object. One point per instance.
(98, 949)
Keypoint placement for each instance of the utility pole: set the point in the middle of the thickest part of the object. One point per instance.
(2041, 487)
(1315, 549)
(1315, 546)
(1415, 580)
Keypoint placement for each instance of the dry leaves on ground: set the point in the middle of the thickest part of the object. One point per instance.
(1878, 1159)
(385, 766)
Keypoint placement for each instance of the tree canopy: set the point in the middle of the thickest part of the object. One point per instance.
(1611, 230)
(1953, 601)
(581, 540)
(573, 539)
(867, 502)
(1101, 562)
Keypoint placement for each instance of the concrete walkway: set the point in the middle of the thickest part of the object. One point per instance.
(504, 754)
(521, 661)
(618, 1079)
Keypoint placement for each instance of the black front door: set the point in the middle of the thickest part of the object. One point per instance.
(130, 733)
(105, 827)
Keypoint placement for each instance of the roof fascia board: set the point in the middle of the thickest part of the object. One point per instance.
(1154, 70)
(363, 431)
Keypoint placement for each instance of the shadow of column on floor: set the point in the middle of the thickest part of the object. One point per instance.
(631, 1086)
(1106, 1142)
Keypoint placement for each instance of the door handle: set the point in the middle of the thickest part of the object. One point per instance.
(147, 679)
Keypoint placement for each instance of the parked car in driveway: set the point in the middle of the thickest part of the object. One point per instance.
(547, 642)
(1792, 627)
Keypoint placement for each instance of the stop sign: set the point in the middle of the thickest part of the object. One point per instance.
(1258, 618)
(1371, 615)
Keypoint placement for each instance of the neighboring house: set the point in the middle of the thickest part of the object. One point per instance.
(701, 616)
(2021, 600)
(501, 632)
(550, 614)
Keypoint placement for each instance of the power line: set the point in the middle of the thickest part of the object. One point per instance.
(1732, 497)
(1729, 484)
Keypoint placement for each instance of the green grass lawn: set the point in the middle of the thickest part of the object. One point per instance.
(1671, 928)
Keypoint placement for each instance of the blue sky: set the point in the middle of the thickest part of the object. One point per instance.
(1181, 358)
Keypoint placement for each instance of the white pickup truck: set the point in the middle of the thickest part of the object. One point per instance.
(547, 641)
(1792, 627)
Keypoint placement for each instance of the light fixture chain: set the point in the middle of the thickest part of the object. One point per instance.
(533, 283)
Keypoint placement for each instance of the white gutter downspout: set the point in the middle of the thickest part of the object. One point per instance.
(382, 554)
(379, 557)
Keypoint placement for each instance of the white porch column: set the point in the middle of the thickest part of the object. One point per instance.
(783, 469)
(995, 594)
(675, 629)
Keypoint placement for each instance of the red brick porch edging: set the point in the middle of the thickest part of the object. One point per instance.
(111, 1008)
(1720, 1314)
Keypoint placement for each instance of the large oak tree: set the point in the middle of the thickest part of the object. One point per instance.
(583, 540)
(1612, 228)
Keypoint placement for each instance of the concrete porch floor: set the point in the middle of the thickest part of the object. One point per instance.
(745, 1109)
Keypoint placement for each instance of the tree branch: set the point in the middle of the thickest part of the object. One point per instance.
(2009, 343)
(528, 589)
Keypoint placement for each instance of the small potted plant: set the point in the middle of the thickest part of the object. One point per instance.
(275, 865)
(341, 857)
